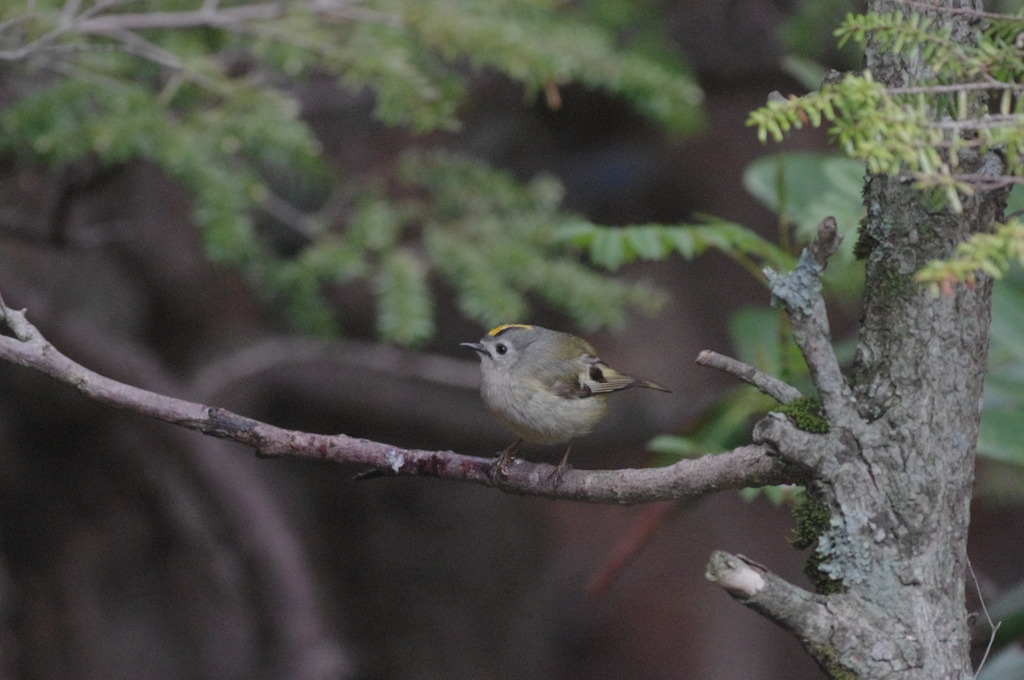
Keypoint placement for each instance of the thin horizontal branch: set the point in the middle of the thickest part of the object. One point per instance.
(136, 45)
(218, 18)
(742, 467)
(956, 87)
(776, 389)
(989, 182)
(986, 122)
(93, 21)
(223, 17)
(965, 11)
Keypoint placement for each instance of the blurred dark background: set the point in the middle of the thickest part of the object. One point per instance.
(133, 549)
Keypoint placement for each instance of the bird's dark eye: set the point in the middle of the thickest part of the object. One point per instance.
(500, 348)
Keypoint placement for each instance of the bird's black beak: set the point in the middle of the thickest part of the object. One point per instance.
(476, 346)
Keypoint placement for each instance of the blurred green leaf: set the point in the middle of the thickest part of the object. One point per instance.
(405, 313)
(647, 242)
(761, 338)
(1001, 436)
(804, 188)
(806, 72)
(675, 447)
(611, 247)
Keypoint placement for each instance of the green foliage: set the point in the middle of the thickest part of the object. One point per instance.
(992, 254)
(612, 247)
(490, 238)
(208, 95)
(923, 129)
(405, 314)
(495, 242)
(803, 187)
(900, 33)
(216, 154)
(544, 44)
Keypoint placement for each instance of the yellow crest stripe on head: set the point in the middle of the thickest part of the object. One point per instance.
(498, 329)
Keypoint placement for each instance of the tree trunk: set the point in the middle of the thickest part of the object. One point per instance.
(891, 479)
(902, 500)
(918, 380)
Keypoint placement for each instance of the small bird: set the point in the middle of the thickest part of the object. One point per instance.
(548, 387)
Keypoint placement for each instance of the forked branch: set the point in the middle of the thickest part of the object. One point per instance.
(799, 291)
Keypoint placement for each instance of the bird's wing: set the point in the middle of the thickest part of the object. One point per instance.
(599, 377)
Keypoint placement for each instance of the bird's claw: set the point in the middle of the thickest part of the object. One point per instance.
(500, 467)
